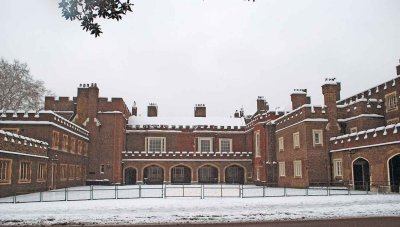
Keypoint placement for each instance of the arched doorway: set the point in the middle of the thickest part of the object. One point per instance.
(234, 175)
(394, 173)
(130, 176)
(361, 174)
(153, 175)
(181, 175)
(208, 174)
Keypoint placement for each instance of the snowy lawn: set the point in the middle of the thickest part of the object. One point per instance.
(195, 210)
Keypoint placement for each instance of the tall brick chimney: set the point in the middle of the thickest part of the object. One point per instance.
(262, 104)
(152, 110)
(330, 90)
(299, 97)
(398, 69)
(236, 115)
(134, 109)
(200, 110)
(86, 102)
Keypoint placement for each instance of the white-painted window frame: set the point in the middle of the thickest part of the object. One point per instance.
(221, 140)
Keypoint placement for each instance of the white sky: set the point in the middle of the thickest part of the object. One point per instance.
(223, 53)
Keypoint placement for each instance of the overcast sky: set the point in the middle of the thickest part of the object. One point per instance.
(223, 53)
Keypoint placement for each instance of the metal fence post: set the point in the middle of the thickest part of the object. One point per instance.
(183, 190)
(140, 191)
(66, 194)
(284, 191)
(202, 191)
(165, 191)
(239, 191)
(14, 198)
(307, 191)
(263, 190)
(91, 192)
(41, 196)
(221, 190)
(115, 191)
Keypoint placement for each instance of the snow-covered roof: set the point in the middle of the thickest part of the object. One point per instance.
(186, 121)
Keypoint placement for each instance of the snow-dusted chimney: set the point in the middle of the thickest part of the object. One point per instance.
(262, 104)
(398, 69)
(200, 110)
(152, 110)
(299, 97)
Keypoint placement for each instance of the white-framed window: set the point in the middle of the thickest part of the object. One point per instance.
(297, 168)
(225, 145)
(102, 168)
(64, 145)
(296, 140)
(337, 167)
(205, 145)
(281, 145)
(257, 143)
(63, 172)
(79, 146)
(5, 171)
(25, 172)
(78, 172)
(55, 139)
(317, 137)
(42, 172)
(155, 144)
(282, 170)
(353, 130)
(258, 173)
(73, 145)
(391, 101)
(71, 172)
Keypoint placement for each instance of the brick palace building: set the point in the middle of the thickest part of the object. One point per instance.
(93, 140)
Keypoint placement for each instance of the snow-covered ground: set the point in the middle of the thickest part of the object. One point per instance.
(195, 210)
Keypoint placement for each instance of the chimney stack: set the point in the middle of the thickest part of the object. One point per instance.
(200, 110)
(134, 109)
(152, 110)
(299, 98)
(241, 112)
(236, 115)
(262, 105)
(330, 90)
(398, 69)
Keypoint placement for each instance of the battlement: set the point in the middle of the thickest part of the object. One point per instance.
(377, 92)
(11, 142)
(34, 117)
(113, 104)
(59, 103)
(361, 106)
(383, 135)
(264, 117)
(304, 112)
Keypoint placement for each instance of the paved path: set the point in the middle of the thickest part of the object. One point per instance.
(348, 222)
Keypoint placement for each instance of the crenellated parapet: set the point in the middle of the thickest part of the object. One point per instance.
(40, 117)
(300, 114)
(13, 143)
(384, 135)
(113, 104)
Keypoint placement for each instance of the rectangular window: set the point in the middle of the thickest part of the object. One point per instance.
(55, 140)
(155, 144)
(353, 130)
(282, 170)
(317, 137)
(205, 145)
(42, 172)
(296, 140)
(297, 168)
(257, 143)
(78, 173)
(102, 169)
(391, 102)
(85, 151)
(5, 171)
(63, 172)
(225, 145)
(65, 143)
(337, 167)
(24, 172)
(258, 173)
(281, 145)
(71, 172)
(79, 147)
(73, 145)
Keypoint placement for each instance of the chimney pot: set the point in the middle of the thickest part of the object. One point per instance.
(200, 110)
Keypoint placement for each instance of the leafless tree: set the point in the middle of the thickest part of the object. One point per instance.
(18, 89)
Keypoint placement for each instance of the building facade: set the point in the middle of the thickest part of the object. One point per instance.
(93, 140)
